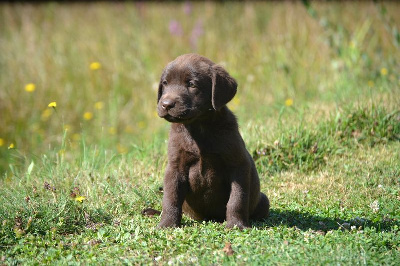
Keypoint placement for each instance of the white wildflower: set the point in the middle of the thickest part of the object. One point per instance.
(374, 206)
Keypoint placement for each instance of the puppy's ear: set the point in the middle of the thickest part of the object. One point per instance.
(223, 87)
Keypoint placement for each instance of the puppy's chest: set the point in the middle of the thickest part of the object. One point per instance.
(205, 169)
(199, 153)
(201, 159)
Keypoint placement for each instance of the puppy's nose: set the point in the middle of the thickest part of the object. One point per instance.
(167, 104)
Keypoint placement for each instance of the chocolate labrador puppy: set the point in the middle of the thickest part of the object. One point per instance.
(210, 175)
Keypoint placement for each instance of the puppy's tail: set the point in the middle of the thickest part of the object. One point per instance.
(262, 210)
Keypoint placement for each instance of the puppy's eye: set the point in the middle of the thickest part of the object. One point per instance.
(164, 82)
(191, 84)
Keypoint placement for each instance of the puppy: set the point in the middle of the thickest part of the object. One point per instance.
(210, 175)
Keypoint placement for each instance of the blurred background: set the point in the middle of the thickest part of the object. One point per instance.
(84, 75)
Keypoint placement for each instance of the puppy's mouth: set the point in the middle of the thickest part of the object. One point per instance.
(174, 119)
(182, 118)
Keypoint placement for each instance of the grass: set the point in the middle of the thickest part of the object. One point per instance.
(317, 105)
(308, 149)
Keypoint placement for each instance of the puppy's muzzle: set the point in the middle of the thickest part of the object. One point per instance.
(167, 104)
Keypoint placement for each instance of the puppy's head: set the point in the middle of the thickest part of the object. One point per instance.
(192, 85)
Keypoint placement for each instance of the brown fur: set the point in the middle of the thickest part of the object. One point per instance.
(210, 175)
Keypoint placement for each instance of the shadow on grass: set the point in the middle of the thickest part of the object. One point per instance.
(305, 221)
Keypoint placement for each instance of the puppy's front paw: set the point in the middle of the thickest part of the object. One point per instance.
(237, 223)
(168, 223)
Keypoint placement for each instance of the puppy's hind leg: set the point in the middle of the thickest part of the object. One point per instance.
(262, 209)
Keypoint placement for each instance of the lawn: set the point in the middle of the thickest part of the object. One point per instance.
(83, 153)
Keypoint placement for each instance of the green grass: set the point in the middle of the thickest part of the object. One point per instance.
(329, 162)
(308, 149)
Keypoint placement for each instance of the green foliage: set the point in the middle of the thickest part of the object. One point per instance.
(308, 149)
(369, 126)
(42, 215)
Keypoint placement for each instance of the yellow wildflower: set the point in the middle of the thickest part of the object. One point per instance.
(234, 104)
(80, 198)
(121, 149)
(67, 127)
(371, 83)
(289, 102)
(95, 66)
(99, 105)
(112, 130)
(88, 115)
(52, 104)
(384, 71)
(11, 146)
(1, 142)
(141, 124)
(30, 87)
(352, 44)
(236, 101)
(76, 136)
